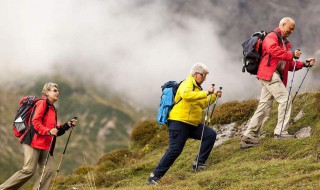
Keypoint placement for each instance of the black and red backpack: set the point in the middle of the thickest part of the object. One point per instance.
(22, 120)
(252, 51)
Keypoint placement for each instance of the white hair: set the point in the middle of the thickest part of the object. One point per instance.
(198, 68)
(286, 20)
(48, 86)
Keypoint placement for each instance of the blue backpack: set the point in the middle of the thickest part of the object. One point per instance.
(169, 90)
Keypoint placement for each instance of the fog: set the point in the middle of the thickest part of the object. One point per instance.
(129, 47)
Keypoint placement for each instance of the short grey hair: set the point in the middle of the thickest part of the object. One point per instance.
(199, 68)
(48, 87)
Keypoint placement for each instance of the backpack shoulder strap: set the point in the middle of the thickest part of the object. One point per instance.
(279, 37)
(181, 97)
(44, 114)
(45, 111)
(279, 41)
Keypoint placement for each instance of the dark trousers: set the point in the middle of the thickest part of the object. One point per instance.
(179, 132)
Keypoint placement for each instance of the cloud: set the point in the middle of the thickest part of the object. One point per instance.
(131, 47)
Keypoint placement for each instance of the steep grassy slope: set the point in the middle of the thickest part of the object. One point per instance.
(104, 123)
(285, 164)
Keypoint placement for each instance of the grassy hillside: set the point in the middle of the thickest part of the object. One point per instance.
(275, 164)
(105, 122)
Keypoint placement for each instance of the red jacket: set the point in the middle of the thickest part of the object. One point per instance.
(273, 52)
(38, 135)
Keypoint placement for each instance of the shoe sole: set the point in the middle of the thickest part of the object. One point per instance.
(152, 182)
(197, 170)
(245, 146)
(250, 142)
(283, 138)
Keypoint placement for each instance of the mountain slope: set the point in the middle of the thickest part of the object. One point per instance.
(104, 123)
(285, 164)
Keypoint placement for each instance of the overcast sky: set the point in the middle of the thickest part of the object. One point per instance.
(132, 47)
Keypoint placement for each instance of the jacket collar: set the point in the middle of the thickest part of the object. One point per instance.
(45, 98)
(195, 82)
(278, 31)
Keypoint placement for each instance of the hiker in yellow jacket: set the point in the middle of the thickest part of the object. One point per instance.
(185, 122)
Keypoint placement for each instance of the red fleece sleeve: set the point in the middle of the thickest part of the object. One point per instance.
(298, 66)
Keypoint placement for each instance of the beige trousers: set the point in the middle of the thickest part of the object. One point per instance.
(32, 158)
(273, 89)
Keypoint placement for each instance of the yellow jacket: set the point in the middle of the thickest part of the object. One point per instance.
(190, 101)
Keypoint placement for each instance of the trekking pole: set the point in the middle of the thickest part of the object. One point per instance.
(214, 106)
(204, 124)
(46, 162)
(301, 84)
(64, 152)
(285, 111)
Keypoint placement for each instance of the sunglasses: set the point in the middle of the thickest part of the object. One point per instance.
(203, 76)
(54, 90)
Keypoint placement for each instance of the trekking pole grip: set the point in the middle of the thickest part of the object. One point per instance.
(74, 118)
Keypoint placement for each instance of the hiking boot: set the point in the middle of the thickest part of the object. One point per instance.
(153, 180)
(244, 145)
(247, 142)
(197, 168)
(284, 136)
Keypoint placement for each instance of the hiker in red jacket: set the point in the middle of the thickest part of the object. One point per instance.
(276, 61)
(37, 141)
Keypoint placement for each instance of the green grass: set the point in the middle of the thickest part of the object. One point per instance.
(286, 164)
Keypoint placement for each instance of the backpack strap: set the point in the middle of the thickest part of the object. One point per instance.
(278, 35)
(44, 114)
(181, 97)
(46, 111)
(279, 41)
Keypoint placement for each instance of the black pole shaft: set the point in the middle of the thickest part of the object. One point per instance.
(62, 156)
(46, 162)
(214, 105)
(65, 148)
(204, 124)
(301, 84)
(285, 111)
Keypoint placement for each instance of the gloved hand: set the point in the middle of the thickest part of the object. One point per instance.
(310, 62)
(67, 126)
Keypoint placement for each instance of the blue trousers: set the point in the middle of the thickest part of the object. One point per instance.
(179, 132)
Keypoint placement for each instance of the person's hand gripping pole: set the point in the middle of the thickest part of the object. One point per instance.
(72, 123)
(218, 95)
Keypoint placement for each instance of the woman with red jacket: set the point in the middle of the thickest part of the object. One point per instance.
(38, 140)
